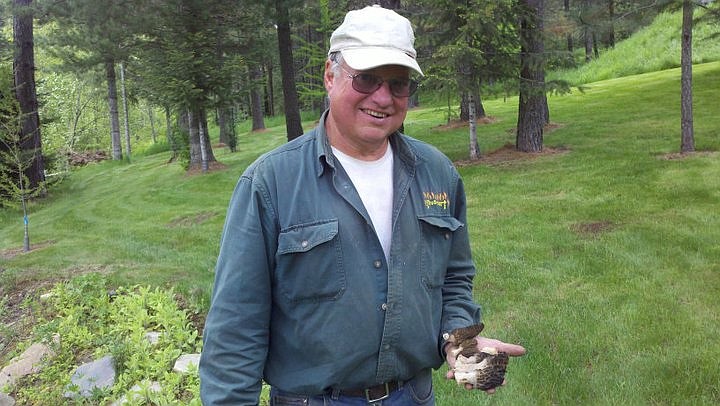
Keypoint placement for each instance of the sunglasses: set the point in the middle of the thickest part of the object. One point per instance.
(368, 83)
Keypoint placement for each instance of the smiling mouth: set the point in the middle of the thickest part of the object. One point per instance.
(374, 113)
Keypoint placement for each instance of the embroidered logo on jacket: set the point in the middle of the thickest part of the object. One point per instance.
(438, 199)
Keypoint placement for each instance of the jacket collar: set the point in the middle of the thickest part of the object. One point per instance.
(326, 159)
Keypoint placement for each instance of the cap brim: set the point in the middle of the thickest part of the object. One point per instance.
(372, 57)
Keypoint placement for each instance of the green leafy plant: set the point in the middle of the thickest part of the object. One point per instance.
(92, 321)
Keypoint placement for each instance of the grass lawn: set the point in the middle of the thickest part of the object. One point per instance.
(601, 255)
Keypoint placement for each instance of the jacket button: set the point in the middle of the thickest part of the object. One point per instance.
(304, 244)
(447, 236)
(384, 306)
(377, 264)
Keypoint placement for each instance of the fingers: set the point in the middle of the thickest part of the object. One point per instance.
(449, 355)
(513, 350)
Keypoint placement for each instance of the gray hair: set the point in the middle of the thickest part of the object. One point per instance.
(337, 60)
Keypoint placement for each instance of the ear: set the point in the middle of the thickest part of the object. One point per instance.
(329, 76)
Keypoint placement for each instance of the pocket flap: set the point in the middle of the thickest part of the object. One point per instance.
(304, 237)
(447, 222)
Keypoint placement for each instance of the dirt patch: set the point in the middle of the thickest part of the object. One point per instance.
(212, 167)
(508, 154)
(191, 220)
(83, 158)
(592, 229)
(196, 318)
(17, 316)
(10, 253)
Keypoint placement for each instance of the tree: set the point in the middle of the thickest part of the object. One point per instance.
(256, 106)
(190, 55)
(15, 158)
(473, 45)
(533, 110)
(126, 113)
(90, 33)
(25, 93)
(687, 142)
(293, 122)
(474, 145)
(257, 50)
(113, 109)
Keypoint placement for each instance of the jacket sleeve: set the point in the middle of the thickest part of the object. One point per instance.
(459, 307)
(235, 338)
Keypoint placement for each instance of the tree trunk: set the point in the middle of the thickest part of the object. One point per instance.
(293, 122)
(25, 92)
(258, 120)
(224, 136)
(200, 149)
(270, 92)
(611, 28)
(687, 143)
(174, 147)
(568, 36)
(126, 114)
(587, 36)
(532, 110)
(226, 122)
(206, 144)
(588, 32)
(479, 110)
(474, 148)
(203, 149)
(596, 49)
(113, 108)
(151, 117)
(193, 139)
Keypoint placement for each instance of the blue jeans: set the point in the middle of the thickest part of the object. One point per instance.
(417, 391)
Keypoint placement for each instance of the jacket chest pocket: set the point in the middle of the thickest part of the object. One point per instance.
(309, 262)
(437, 240)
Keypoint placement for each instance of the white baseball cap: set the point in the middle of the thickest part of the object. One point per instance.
(375, 36)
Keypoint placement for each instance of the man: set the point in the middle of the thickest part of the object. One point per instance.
(345, 256)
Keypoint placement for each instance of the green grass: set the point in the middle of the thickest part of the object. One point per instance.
(627, 315)
(603, 260)
(653, 48)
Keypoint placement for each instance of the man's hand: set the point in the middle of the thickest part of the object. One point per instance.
(513, 350)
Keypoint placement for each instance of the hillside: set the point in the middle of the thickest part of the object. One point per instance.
(652, 48)
(602, 259)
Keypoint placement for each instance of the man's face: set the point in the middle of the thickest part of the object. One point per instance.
(359, 124)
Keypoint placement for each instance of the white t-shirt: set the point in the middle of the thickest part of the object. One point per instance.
(374, 183)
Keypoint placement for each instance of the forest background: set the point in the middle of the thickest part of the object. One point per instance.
(199, 80)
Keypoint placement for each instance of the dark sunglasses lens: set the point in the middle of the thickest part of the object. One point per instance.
(403, 87)
(366, 83)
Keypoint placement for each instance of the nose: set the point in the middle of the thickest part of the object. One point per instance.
(383, 95)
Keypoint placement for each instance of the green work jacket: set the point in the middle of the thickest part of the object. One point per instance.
(304, 296)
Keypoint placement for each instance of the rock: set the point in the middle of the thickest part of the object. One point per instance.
(46, 296)
(182, 365)
(153, 337)
(29, 362)
(99, 374)
(6, 400)
(136, 394)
